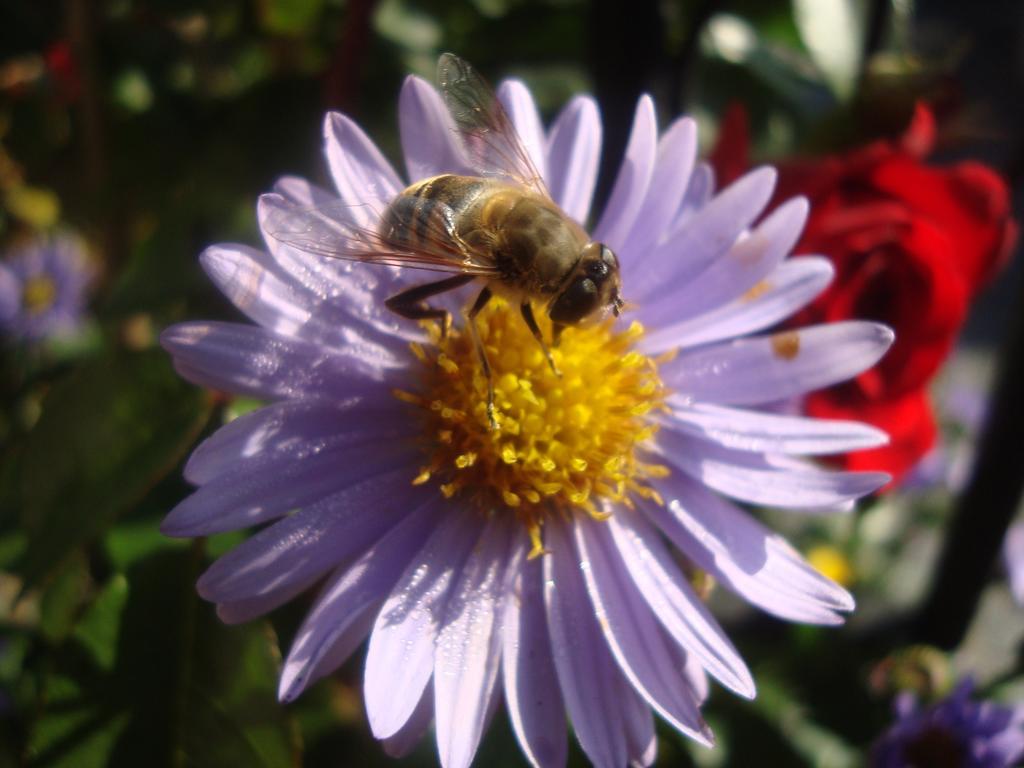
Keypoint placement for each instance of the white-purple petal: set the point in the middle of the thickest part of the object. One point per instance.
(254, 361)
(694, 244)
(673, 163)
(573, 156)
(293, 430)
(280, 301)
(605, 711)
(246, 609)
(305, 545)
(405, 739)
(793, 284)
(359, 170)
(698, 194)
(522, 111)
(634, 177)
(752, 258)
(759, 431)
(335, 302)
(429, 139)
(672, 600)
(635, 639)
(755, 478)
(300, 191)
(400, 658)
(765, 369)
(345, 611)
(532, 696)
(468, 650)
(697, 676)
(272, 484)
(641, 739)
(322, 277)
(347, 295)
(742, 554)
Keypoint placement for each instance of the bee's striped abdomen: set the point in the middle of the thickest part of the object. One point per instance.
(428, 207)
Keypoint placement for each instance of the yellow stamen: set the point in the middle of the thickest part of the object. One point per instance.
(832, 563)
(38, 294)
(563, 443)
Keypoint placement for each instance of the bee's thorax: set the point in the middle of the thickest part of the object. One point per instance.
(533, 244)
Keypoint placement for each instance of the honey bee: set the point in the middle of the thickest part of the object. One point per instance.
(498, 226)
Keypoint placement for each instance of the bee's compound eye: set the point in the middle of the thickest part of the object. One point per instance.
(575, 302)
(598, 270)
(608, 257)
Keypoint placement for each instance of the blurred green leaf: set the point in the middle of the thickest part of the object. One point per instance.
(289, 17)
(220, 543)
(12, 655)
(60, 603)
(131, 541)
(71, 733)
(239, 406)
(786, 71)
(237, 721)
(152, 677)
(87, 340)
(99, 627)
(820, 747)
(12, 545)
(132, 91)
(406, 26)
(108, 432)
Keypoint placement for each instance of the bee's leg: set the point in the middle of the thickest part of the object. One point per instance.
(409, 303)
(556, 333)
(527, 311)
(480, 303)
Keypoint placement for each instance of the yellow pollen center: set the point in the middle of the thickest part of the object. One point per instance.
(38, 294)
(562, 443)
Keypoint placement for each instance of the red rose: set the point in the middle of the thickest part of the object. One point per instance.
(911, 244)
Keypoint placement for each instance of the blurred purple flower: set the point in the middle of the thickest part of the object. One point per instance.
(418, 519)
(43, 288)
(956, 731)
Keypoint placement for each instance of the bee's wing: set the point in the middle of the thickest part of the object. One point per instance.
(490, 139)
(337, 230)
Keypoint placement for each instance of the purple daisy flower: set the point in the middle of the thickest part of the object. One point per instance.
(540, 560)
(43, 288)
(956, 731)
